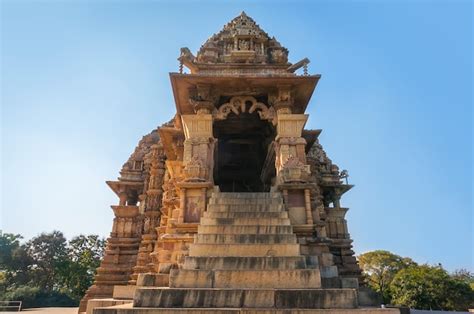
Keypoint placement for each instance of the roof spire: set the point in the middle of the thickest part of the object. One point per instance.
(242, 41)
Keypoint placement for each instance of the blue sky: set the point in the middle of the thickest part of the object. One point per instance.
(82, 81)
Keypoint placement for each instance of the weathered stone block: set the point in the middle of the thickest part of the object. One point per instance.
(245, 238)
(298, 278)
(312, 261)
(246, 214)
(316, 298)
(245, 201)
(350, 283)
(245, 229)
(245, 221)
(247, 195)
(199, 298)
(93, 303)
(153, 280)
(181, 278)
(326, 259)
(329, 272)
(244, 250)
(245, 262)
(126, 310)
(246, 208)
(124, 292)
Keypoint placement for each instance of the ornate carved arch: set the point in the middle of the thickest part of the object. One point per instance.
(238, 104)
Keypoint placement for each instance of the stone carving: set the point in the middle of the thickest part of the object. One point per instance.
(241, 40)
(239, 104)
(202, 106)
(244, 45)
(279, 56)
(294, 170)
(187, 54)
(283, 100)
(195, 170)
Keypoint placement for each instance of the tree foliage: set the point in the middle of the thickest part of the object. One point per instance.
(465, 276)
(380, 267)
(48, 270)
(430, 288)
(84, 255)
(14, 261)
(403, 282)
(48, 252)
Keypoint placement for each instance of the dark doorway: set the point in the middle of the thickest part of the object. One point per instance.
(243, 142)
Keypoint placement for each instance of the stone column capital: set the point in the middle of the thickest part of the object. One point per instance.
(290, 125)
(197, 125)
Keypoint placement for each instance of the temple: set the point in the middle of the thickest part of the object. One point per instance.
(232, 206)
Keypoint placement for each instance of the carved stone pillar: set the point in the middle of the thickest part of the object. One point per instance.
(336, 223)
(289, 141)
(151, 203)
(290, 163)
(199, 141)
(164, 246)
(293, 179)
(198, 161)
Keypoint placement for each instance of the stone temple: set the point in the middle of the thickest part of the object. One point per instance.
(232, 206)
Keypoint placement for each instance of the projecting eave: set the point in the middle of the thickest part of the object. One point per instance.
(122, 186)
(310, 136)
(231, 85)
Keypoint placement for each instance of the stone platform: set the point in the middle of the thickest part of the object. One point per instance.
(127, 309)
(245, 259)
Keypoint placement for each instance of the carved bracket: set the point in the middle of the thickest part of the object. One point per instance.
(238, 104)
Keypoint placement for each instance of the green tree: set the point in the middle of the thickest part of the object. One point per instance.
(48, 252)
(430, 288)
(48, 270)
(380, 267)
(14, 261)
(8, 243)
(84, 255)
(464, 275)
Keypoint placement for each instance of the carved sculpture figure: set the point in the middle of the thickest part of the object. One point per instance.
(244, 45)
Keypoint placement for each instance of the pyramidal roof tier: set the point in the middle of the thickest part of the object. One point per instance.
(241, 47)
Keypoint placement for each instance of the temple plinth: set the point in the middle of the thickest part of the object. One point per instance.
(232, 206)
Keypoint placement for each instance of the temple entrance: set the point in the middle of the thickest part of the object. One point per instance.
(243, 162)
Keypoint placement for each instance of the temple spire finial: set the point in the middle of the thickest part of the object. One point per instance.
(242, 41)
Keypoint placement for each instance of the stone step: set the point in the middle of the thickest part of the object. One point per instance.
(253, 279)
(245, 208)
(246, 214)
(246, 229)
(246, 221)
(198, 249)
(245, 262)
(128, 310)
(244, 238)
(254, 195)
(93, 303)
(153, 280)
(245, 201)
(148, 297)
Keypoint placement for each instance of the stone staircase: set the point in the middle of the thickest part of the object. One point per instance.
(245, 255)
